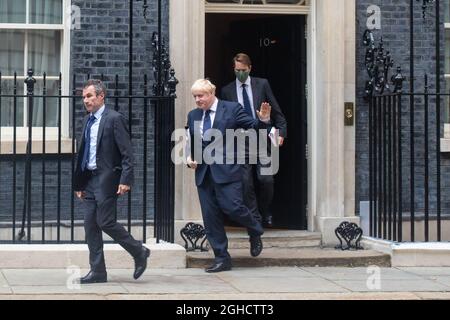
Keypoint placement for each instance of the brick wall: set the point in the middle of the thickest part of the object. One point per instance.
(395, 31)
(100, 46)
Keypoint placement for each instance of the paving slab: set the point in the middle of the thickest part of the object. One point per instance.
(42, 277)
(241, 283)
(427, 271)
(445, 280)
(339, 273)
(433, 295)
(179, 284)
(35, 277)
(121, 273)
(53, 297)
(4, 286)
(281, 284)
(422, 285)
(99, 289)
(270, 296)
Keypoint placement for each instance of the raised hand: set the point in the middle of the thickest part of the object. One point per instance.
(264, 112)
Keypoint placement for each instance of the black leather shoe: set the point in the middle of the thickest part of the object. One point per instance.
(256, 246)
(267, 223)
(219, 267)
(140, 263)
(93, 277)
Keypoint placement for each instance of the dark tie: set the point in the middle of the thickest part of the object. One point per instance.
(247, 106)
(206, 123)
(206, 127)
(87, 142)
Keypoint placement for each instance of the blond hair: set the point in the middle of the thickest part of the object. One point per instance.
(203, 85)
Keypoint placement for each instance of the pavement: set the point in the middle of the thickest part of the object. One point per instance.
(270, 283)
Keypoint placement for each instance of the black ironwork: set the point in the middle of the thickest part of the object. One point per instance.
(390, 140)
(438, 118)
(26, 212)
(193, 233)
(162, 68)
(164, 126)
(378, 63)
(397, 80)
(348, 232)
(161, 103)
(164, 190)
(411, 118)
(425, 4)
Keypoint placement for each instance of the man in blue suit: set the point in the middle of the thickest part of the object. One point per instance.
(219, 183)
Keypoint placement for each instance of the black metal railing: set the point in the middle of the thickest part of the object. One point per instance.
(37, 178)
(46, 196)
(405, 187)
(405, 132)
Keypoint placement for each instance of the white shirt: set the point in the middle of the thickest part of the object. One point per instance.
(92, 163)
(212, 115)
(249, 93)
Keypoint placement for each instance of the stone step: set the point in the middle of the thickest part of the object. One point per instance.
(49, 256)
(299, 257)
(274, 238)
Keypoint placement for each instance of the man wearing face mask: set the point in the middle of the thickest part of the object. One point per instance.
(252, 93)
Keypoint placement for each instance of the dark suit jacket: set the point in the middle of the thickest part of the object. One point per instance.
(114, 154)
(261, 93)
(229, 115)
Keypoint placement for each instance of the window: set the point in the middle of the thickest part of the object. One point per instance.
(33, 35)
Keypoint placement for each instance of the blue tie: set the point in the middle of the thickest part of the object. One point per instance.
(206, 123)
(87, 142)
(247, 106)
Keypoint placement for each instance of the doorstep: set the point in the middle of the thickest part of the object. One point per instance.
(298, 257)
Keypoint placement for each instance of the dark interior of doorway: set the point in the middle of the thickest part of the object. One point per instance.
(277, 47)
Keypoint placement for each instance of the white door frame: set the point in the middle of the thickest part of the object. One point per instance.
(187, 49)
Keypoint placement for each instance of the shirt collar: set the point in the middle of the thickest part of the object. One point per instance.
(247, 82)
(99, 112)
(214, 105)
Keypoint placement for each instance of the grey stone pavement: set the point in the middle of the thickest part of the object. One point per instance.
(278, 283)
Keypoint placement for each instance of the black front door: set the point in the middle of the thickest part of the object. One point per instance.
(277, 47)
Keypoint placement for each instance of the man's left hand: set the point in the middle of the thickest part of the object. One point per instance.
(280, 141)
(123, 189)
(264, 113)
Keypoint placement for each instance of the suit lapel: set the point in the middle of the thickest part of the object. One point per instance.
(196, 117)
(85, 120)
(256, 96)
(219, 114)
(101, 126)
(234, 94)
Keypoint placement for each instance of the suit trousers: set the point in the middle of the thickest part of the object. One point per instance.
(217, 199)
(258, 198)
(248, 185)
(99, 215)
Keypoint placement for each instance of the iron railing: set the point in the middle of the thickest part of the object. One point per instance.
(36, 169)
(405, 131)
(40, 182)
(396, 202)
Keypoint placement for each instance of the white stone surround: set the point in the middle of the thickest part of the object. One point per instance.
(331, 83)
(430, 254)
